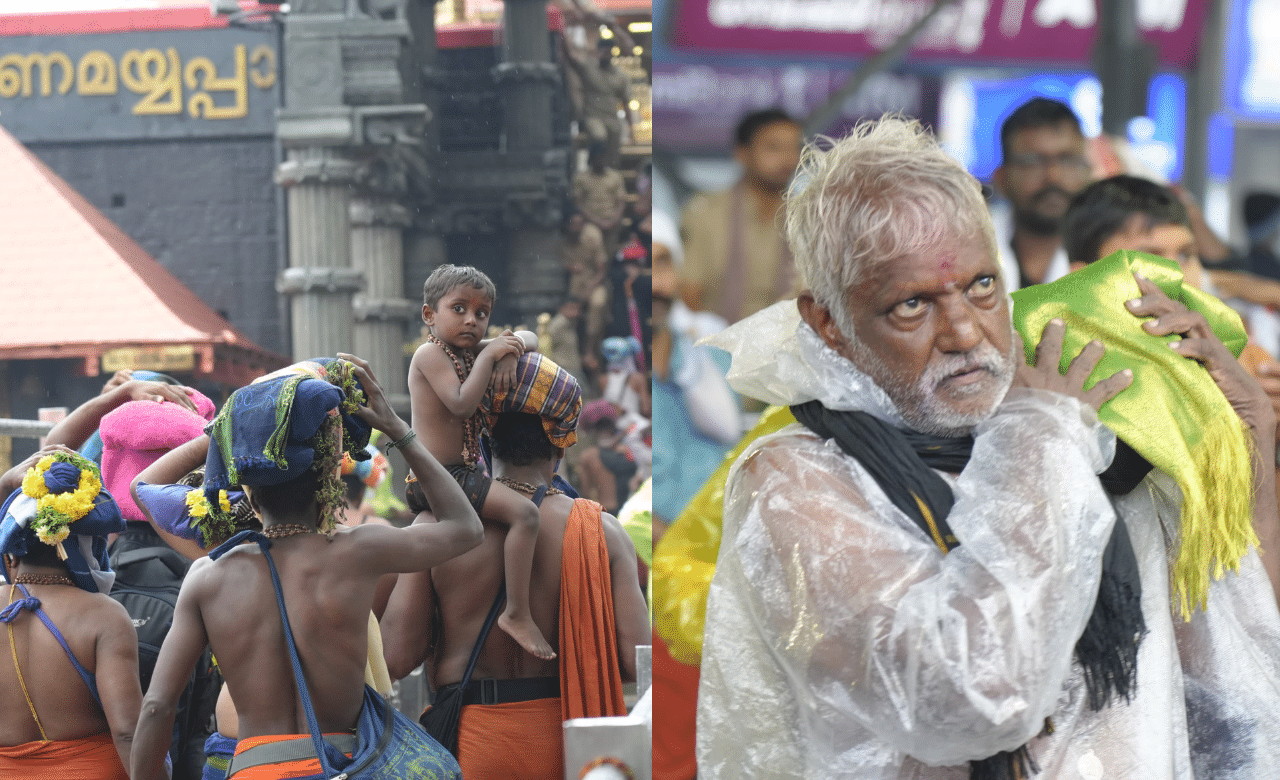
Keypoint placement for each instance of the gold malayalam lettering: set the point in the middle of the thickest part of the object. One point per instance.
(15, 73)
(202, 104)
(150, 73)
(181, 357)
(96, 74)
(156, 74)
(266, 78)
(10, 75)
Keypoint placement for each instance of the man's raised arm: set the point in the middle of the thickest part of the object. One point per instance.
(422, 545)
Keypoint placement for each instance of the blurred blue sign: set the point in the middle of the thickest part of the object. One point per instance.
(1251, 83)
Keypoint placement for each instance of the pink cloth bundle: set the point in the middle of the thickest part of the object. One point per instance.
(136, 434)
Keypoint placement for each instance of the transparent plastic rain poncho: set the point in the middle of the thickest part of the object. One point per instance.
(841, 643)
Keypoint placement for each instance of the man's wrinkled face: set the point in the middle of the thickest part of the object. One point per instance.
(1044, 168)
(933, 330)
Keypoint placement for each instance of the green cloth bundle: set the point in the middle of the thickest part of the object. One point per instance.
(1173, 414)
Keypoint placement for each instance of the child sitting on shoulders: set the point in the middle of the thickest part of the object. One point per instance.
(448, 378)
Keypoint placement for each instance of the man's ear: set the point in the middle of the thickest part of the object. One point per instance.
(428, 314)
(253, 501)
(997, 178)
(819, 318)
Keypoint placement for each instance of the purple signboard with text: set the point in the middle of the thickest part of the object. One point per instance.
(977, 31)
(696, 107)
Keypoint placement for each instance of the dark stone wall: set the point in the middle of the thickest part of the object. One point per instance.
(204, 208)
(471, 115)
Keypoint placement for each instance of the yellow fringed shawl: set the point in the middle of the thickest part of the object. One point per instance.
(1173, 414)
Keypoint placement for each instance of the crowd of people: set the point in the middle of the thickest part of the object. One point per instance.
(1001, 502)
(602, 330)
(285, 607)
(940, 488)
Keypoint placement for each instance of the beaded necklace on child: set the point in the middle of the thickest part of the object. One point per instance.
(471, 426)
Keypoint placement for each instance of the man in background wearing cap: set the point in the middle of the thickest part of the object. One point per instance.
(54, 542)
(603, 94)
(282, 438)
(585, 597)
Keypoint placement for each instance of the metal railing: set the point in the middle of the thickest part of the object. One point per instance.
(25, 429)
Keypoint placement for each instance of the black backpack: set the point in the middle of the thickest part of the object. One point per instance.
(148, 577)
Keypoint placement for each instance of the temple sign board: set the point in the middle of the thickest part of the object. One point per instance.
(179, 84)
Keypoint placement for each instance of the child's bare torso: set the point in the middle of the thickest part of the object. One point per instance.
(440, 431)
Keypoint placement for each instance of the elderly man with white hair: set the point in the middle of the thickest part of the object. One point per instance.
(908, 584)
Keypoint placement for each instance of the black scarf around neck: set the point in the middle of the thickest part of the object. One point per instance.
(902, 463)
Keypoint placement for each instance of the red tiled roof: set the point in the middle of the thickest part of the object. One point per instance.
(75, 285)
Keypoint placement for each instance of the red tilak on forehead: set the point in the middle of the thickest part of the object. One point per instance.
(948, 262)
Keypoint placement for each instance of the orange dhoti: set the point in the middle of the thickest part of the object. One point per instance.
(590, 680)
(522, 739)
(526, 739)
(278, 770)
(91, 758)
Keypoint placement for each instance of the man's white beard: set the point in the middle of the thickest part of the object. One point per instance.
(919, 403)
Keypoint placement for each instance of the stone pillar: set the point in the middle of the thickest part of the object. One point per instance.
(536, 275)
(526, 76)
(381, 313)
(428, 79)
(320, 280)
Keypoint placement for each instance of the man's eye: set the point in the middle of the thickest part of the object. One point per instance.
(983, 286)
(459, 310)
(911, 307)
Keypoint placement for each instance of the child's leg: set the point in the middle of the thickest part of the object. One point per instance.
(506, 506)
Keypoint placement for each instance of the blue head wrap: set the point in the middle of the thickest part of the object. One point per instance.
(617, 349)
(265, 433)
(171, 509)
(77, 524)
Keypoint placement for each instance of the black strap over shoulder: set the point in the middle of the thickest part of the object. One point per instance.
(903, 468)
(441, 720)
(902, 463)
(492, 617)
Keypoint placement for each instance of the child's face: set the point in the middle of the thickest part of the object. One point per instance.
(461, 316)
(1170, 241)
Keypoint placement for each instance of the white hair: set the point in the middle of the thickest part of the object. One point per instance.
(884, 191)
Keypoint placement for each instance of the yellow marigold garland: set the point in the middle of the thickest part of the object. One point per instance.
(33, 482)
(55, 512)
(212, 524)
